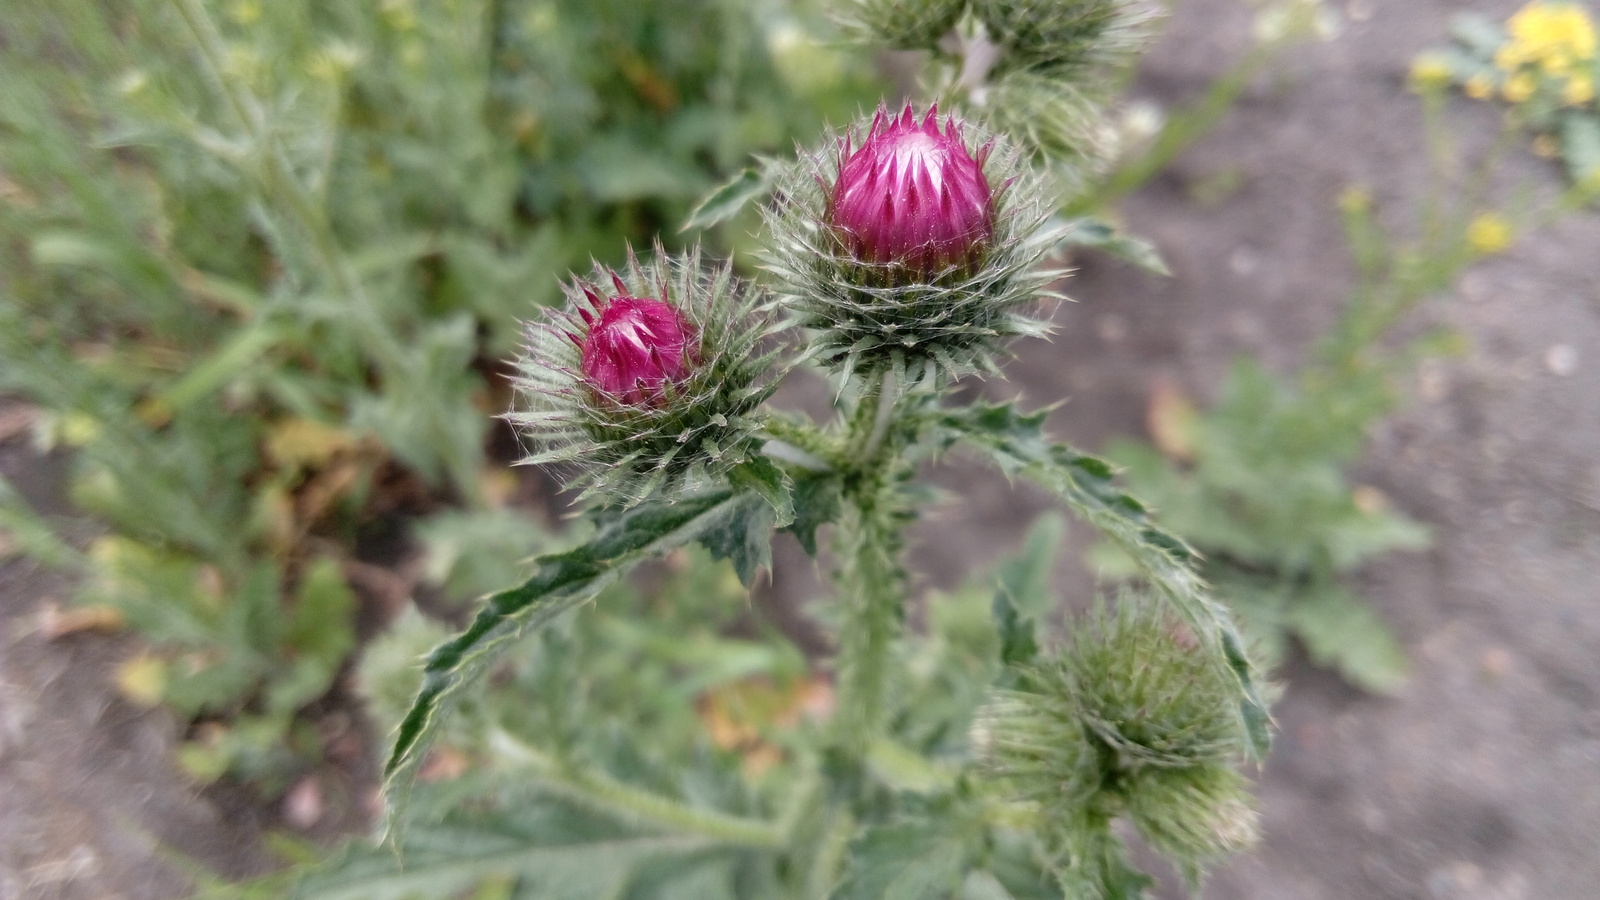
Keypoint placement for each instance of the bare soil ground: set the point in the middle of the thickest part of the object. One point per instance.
(1479, 780)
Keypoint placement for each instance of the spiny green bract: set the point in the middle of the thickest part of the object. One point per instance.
(866, 317)
(1088, 38)
(1130, 719)
(901, 24)
(1061, 123)
(695, 430)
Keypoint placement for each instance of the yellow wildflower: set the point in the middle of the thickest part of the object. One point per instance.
(1354, 199)
(1510, 56)
(1479, 87)
(1429, 72)
(1554, 35)
(1519, 87)
(1488, 233)
(1579, 89)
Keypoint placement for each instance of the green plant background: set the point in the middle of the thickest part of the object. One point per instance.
(260, 262)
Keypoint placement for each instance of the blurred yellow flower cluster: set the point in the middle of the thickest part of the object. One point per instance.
(1488, 233)
(1555, 40)
(1430, 72)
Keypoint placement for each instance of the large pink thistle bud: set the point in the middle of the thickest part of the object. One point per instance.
(913, 198)
(635, 346)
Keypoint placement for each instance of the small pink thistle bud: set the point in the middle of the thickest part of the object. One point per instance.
(634, 346)
(913, 197)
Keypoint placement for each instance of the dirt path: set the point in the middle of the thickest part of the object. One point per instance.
(1481, 779)
(91, 807)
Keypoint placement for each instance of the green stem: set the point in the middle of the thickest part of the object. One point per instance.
(872, 586)
(871, 579)
(597, 790)
(882, 414)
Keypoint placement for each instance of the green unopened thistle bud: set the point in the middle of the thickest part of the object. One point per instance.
(1194, 816)
(912, 242)
(1081, 39)
(648, 381)
(900, 24)
(1132, 718)
(1148, 690)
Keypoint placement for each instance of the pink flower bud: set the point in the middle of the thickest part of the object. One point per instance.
(913, 197)
(634, 346)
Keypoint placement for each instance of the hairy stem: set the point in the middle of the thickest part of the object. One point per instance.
(883, 412)
(872, 584)
(871, 579)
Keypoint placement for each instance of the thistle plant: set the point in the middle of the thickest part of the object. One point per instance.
(989, 756)
(1132, 721)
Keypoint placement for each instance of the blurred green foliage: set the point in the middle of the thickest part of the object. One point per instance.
(259, 261)
(561, 797)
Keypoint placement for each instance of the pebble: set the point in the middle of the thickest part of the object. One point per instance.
(1561, 360)
(1496, 662)
(1244, 261)
(1111, 328)
(303, 806)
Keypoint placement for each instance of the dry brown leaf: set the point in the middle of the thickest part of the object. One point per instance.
(142, 679)
(54, 622)
(1171, 420)
(322, 490)
(497, 484)
(737, 716)
(1369, 500)
(305, 442)
(154, 411)
(444, 764)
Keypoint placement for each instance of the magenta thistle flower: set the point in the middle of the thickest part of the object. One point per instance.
(914, 198)
(650, 381)
(634, 346)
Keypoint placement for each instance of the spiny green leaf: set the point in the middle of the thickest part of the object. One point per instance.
(818, 501)
(758, 474)
(1087, 231)
(725, 202)
(1016, 443)
(729, 523)
(743, 536)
